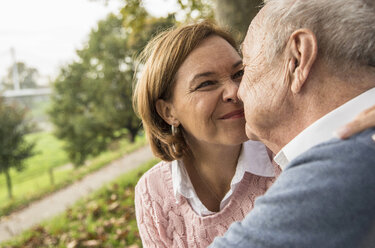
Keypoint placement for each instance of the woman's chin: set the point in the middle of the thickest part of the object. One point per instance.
(237, 138)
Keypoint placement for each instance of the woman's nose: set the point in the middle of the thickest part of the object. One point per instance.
(230, 92)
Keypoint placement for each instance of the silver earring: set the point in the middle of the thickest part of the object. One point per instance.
(174, 130)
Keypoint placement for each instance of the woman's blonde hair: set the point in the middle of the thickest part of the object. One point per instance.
(160, 61)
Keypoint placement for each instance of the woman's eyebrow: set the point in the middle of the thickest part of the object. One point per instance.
(203, 74)
(237, 64)
(210, 73)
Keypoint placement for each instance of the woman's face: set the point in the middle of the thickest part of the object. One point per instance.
(204, 99)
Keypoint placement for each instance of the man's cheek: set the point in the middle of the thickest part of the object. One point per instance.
(241, 92)
(250, 134)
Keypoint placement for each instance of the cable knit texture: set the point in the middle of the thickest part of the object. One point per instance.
(164, 223)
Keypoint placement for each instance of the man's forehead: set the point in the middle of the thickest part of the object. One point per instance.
(253, 29)
(244, 47)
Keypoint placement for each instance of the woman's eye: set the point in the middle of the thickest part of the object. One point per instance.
(204, 84)
(238, 74)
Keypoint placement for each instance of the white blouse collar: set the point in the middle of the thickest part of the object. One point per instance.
(253, 159)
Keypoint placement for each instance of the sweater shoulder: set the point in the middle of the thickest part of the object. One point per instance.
(155, 180)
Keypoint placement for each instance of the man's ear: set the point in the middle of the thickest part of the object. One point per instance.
(302, 49)
(165, 110)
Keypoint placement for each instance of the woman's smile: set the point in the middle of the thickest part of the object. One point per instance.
(233, 115)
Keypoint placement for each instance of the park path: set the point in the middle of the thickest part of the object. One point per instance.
(58, 202)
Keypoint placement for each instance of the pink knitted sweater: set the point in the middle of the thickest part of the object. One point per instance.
(164, 223)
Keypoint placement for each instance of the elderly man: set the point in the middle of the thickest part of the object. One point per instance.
(310, 65)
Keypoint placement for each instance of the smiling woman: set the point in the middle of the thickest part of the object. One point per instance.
(210, 174)
(204, 101)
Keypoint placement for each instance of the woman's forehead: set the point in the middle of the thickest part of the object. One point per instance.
(211, 53)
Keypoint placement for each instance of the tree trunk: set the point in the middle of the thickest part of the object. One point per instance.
(132, 135)
(9, 183)
(236, 15)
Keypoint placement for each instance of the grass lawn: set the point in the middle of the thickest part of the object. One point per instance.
(35, 181)
(49, 155)
(106, 218)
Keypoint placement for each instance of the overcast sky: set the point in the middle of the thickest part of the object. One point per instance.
(46, 33)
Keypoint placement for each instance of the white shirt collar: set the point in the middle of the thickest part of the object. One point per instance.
(324, 129)
(253, 159)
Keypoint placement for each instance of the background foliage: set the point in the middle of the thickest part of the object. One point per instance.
(104, 219)
(14, 149)
(47, 171)
(27, 77)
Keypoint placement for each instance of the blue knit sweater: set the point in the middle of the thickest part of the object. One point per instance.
(324, 198)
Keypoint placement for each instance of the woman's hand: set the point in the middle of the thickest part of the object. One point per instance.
(364, 120)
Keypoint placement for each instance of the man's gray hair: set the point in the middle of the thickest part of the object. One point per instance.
(345, 29)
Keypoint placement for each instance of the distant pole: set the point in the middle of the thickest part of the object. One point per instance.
(51, 177)
(16, 80)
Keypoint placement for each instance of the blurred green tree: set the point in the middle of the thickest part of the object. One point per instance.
(91, 104)
(236, 15)
(14, 149)
(191, 10)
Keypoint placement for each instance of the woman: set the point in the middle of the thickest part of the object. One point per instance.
(210, 174)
